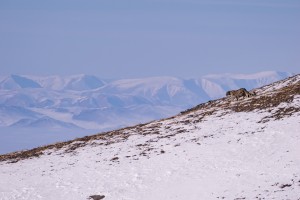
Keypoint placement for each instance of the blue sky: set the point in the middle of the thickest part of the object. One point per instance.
(138, 38)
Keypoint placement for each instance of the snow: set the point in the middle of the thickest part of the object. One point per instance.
(212, 89)
(88, 102)
(249, 81)
(223, 155)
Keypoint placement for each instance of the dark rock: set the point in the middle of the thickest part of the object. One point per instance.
(96, 197)
(114, 159)
(285, 185)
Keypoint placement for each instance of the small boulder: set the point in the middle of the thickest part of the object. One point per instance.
(96, 197)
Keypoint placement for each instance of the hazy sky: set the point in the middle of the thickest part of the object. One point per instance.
(136, 38)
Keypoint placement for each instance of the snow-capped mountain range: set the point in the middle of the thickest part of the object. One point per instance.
(220, 149)
(88, 102)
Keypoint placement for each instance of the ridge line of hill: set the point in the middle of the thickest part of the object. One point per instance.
(267, 97)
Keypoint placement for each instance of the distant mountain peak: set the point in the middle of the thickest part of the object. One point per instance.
(83, 82)
(18, 82)
(25, 82)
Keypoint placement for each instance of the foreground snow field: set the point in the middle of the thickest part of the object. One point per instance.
(223, 149)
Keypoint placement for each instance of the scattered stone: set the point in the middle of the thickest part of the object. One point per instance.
(115, 158)
(96, 197)
(285, 185)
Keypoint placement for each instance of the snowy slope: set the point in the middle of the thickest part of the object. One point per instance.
(222, 149)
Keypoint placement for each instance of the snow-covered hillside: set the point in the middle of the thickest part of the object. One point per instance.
(222, 149)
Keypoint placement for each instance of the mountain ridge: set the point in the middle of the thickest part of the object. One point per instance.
(220, 149)
(75, 96)
(262, 100)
